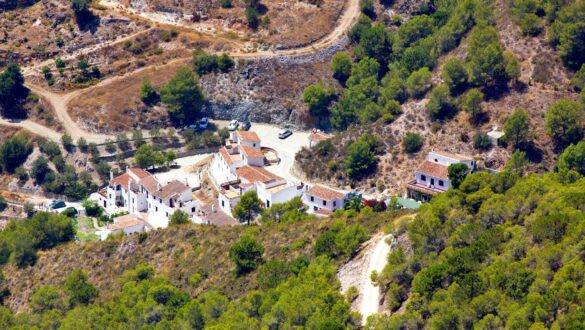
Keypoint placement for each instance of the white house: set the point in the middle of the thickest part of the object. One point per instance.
(128, 224)
(246, 138)
(323, 200)
(270, 188)
(317, 136)
(495, 136)
(140, 193)
(432, 176)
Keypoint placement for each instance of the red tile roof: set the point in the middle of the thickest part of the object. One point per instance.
(453, 155)
(248, 136)
(434, 169)
(256, 174)
(217, 216)
(229, 159)
(325, 193)
(134, 174)
(251, 152)
(320, 136)
(171, 189)
(126, 221)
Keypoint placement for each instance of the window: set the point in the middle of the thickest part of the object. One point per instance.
(222, 203)
(334, 203)
(324, 203)
(312, 199)
(193, 209)
(436, 160)
(267, 203)
(441, 183)
(423, 177)
(156, 209)
(315, 208)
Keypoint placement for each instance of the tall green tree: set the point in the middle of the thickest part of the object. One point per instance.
(457, 173)
(248, 206)
(341, 66)
(246, 254)
(517, 127)
(183, 96)
(317, 97)
(79, 290)
(361, 159)
(564, 122)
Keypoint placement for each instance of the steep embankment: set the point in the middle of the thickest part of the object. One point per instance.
(177, 253)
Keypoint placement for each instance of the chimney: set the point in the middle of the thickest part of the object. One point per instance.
(212, 208)
(111, 175)
(158, 186)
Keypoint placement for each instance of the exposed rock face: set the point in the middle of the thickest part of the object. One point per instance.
(268, 90)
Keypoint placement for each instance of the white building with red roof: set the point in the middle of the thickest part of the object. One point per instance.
(432, 176)
(238, 167)
(317, 136)
(324, 200)
(140, 193)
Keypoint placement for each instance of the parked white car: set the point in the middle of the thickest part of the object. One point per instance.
(234, 124)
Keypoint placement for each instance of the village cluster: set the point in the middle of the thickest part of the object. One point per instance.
(238, 167)
(243, 165)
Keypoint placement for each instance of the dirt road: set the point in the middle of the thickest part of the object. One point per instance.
(60, 102)
(370, 292)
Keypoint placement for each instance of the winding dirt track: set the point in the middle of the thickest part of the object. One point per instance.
(60, 101)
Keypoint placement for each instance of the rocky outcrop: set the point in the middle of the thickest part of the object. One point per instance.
(268, 89)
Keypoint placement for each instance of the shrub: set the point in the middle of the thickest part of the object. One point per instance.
(246, 254)
(412, 142)
(79, 290)
(481, 141)
(253, 17)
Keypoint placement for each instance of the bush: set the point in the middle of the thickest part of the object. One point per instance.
(481, 141)
(531, 24)
(272, 273)
(253, 17)
(226, 3)
(412, 142)
(246, 254)
(179, 218)
(148, 94)
(419, 82)
(341, 66)
(79, 290)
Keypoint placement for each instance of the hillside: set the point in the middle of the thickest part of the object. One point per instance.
(500, 252)
(542, 79)
(179, 253)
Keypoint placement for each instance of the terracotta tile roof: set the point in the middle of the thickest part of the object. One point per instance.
(325, 193)
(150, 184)
(217, 216)
(453, 155)
(103, 192)
(229, 159)
(256, 174)
(248, 136)
(251, 152)
(320, 136)
(434, 169)
(171, 189)
(134, 175)
(126, 221)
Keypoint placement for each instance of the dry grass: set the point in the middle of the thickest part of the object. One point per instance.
(175, 252)
(116, 105)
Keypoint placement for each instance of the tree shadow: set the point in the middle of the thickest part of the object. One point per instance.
(262, 9)
(533, 152)
(496, 91)
(481, 118)
(87, 21)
